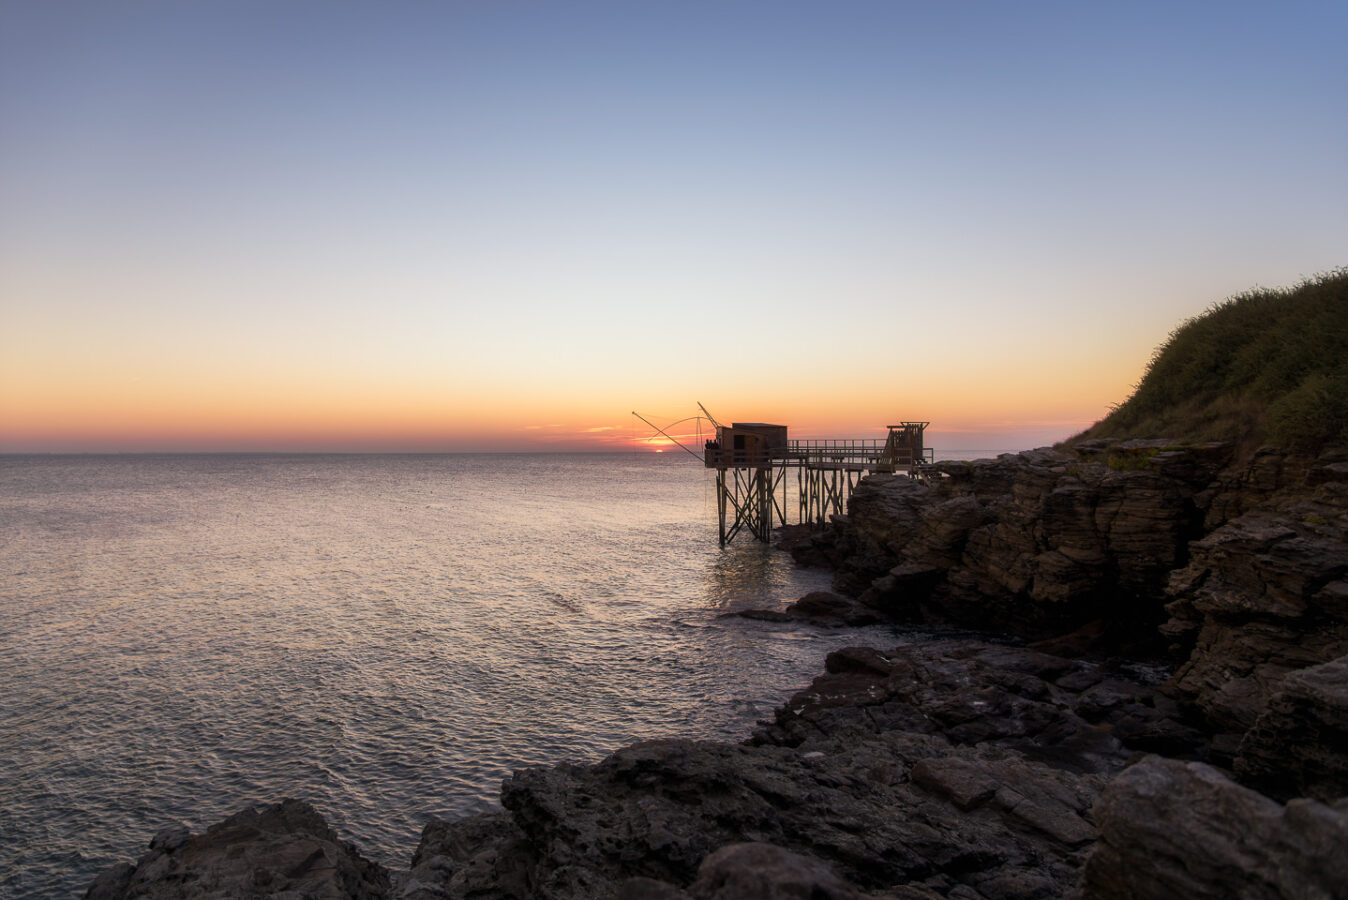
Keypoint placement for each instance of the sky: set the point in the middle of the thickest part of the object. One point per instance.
(508, 224)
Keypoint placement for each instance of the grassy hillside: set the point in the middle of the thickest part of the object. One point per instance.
(1266, 366)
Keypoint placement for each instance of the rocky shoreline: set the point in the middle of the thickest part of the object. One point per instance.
(1167, 716)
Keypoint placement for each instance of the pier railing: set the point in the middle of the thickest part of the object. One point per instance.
(867, 453)
(864, 452)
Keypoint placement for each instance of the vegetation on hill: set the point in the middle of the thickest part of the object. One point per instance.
(1265, 366)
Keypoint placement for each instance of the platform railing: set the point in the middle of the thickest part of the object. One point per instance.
(860, 450)
(867, 452)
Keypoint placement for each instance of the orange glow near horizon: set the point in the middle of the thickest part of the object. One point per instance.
(287, 429)
(277, 411)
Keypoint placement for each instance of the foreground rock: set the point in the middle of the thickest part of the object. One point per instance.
(285, 850)
(1184, 830)
(954, 768)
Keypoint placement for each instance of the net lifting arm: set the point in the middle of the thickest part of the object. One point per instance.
(667, 437)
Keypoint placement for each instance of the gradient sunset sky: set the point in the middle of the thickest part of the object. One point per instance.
(286, 225)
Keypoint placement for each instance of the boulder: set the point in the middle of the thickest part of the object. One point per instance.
(484, 856)
(822, 608)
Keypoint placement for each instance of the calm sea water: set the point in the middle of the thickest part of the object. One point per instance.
(385, 636)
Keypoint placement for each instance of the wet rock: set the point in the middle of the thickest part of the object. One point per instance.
(1184, 830)
(825, 608)
(759, 615)
(284, 850)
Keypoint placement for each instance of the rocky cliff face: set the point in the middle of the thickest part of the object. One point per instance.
(1036, 544)
(1240, 567)
(1264, 594)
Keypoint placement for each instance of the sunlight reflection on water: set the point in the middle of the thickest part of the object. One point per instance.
(386, 636)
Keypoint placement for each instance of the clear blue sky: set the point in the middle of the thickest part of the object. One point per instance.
(359, 225)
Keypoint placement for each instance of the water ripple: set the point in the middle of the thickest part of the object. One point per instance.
(388, 637)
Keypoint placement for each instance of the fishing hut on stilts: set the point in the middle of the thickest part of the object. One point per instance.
(746, 456)
(754, 461)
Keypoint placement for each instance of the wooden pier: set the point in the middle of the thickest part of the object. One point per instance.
(752, 461)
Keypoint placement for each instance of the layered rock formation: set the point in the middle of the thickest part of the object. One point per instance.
(1035, 544)
(1240, 567)
(1264, 594)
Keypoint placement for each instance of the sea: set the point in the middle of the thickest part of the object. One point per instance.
(385, 636)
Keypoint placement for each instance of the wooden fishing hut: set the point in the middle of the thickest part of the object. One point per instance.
(752, 459)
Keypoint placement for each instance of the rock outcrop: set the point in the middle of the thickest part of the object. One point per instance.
(822, 608)
(1035, 544)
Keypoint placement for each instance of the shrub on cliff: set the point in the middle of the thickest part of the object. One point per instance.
(1263, 366)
